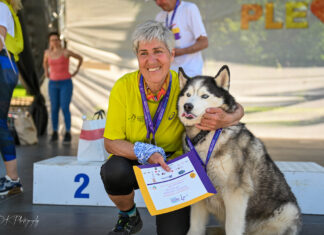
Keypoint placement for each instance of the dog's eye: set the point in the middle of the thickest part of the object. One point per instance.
(205, 96)
(188, 94)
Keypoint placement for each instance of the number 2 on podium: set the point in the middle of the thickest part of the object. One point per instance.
(78, 192)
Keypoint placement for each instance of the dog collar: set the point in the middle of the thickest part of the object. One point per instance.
(202, 134)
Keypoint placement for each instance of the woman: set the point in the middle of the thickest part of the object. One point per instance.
(11, 44)
(56, 67)
(131, 142)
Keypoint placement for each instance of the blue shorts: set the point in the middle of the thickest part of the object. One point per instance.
(8, 81)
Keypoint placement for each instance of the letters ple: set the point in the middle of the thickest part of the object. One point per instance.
(296, 13)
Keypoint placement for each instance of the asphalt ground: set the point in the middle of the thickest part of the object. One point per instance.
(19, 216)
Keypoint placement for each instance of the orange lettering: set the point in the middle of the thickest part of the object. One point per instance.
(269, 20)
(246, 15)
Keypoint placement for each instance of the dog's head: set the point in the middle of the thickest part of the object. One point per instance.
(202, 92)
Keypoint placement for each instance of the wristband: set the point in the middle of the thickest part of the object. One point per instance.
(144, 151)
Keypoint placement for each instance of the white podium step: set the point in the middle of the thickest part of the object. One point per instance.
(306, 180)
(66, 181)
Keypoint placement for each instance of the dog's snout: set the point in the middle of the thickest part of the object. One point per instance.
(188, 107)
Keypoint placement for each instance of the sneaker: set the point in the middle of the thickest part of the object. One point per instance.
(54, 136)
(8, 186)
(67, 138)
(127, 225)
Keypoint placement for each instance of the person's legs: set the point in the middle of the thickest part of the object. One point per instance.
(65, 100)
(118, 176)
(54, 94)
(10, 184)
(11, 168)
(119, 180)
(8, 80)
(8, 150)
(123, 202)
(173, 223)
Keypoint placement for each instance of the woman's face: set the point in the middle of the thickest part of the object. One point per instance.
(166, 5)
(54, 41)
(154, 61)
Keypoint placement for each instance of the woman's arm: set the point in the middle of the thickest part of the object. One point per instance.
(200, 44)
(45, 64)
(79, 58)
(216, 118)
(125, 149)
(3, 33)
(122, 148)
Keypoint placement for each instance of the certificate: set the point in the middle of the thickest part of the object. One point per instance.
(186, 184)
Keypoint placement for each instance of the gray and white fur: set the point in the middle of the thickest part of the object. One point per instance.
(253, 197)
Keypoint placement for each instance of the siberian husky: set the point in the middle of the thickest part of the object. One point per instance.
(253, 197)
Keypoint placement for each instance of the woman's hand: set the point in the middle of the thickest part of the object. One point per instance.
(76, 56)
(157, 158)
(216, 118)
(75, 73)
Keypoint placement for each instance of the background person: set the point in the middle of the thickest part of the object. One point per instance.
(184, 20)
(11, 36)
(128, 138)
(60, 87)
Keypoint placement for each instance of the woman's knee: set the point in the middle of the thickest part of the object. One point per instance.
(55, 106)
(66, 95)
(66, 109)
(117, 171)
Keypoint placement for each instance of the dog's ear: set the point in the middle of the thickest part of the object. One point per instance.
(222, 78)
(182, 77)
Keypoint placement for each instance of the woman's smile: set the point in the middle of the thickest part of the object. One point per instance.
(153, 69)
(154, 61)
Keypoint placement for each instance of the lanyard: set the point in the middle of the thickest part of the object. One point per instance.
(169, 26)
(152, 126)
(211, 147)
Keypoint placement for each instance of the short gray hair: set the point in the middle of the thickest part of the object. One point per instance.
(150, 30)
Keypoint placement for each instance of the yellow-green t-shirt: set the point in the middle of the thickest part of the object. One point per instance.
(14, 44)
(125, 116)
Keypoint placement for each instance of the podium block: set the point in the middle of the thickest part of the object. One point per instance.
(306, 180)
(64, 180)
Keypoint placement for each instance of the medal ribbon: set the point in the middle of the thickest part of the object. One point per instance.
(169, 26)
(152, 126)
(211, 147)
